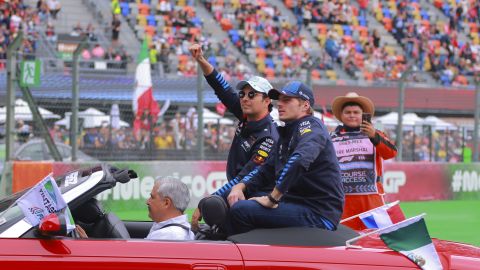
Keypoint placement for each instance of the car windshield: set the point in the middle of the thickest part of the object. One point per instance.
(11, 213)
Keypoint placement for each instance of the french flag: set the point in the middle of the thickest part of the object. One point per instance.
(383, 216)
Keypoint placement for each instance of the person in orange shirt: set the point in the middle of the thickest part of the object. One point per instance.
(360, 150)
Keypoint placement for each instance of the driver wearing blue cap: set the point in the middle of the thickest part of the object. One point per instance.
(305, 172)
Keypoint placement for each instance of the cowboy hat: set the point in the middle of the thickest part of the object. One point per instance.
(340, 101)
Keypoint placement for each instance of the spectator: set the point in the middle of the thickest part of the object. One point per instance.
(50, 33)
(54, 7)
(115, 30)
(98, 52)
(77, 30)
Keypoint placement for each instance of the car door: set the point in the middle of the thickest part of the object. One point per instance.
(264, 257)
(118, 254)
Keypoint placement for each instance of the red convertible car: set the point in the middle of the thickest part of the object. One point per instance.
(116, 244)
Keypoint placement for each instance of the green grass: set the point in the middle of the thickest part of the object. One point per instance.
(448, 220)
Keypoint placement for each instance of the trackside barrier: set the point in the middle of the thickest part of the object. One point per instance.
(406, 181)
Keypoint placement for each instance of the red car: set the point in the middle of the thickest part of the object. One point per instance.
(114, 244)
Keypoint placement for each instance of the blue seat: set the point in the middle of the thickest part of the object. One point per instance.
(125, 9)
(269, 62)
(424, 15)
(386, 13)
(358, 47)
(212, 60)
(362, 21)
(347, 30)
(151, 20)
(446, 8)
(262, 43)
(196, 21)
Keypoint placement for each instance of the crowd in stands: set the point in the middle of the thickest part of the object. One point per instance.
(178, 132)
(170, 29)
(434, 145)
(15, 17)
(435, 46)
(271, 43)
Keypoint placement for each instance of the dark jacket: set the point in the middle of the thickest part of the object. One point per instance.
(254, 142)
(305, 169)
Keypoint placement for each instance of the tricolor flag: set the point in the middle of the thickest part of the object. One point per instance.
(410, 237)
(382, 216)
(143, 95)
(43, 199)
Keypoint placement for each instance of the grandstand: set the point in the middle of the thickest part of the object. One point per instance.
(336, 45)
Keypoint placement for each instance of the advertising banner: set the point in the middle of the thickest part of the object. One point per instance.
(406, 181)
(413, 181)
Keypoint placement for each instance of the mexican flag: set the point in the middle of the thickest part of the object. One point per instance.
(143, 95)
(410, 237)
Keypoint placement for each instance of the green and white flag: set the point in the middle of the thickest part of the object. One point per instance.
(43, 199)
(411, 238)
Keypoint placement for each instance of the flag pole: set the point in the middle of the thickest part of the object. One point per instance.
(348, 242)
(357, 215)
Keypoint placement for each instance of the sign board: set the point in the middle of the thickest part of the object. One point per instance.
(30, 73)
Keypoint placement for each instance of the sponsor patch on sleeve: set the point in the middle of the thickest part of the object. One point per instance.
(262, 153)
(305, 127)
(258, 159)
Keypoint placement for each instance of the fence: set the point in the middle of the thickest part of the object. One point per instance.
(174, 137)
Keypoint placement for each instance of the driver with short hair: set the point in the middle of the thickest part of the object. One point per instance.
(166, 206)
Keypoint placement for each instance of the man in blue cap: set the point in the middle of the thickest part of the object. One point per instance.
(305, 172)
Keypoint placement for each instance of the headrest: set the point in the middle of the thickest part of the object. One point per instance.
(213, 209)
(89, 212)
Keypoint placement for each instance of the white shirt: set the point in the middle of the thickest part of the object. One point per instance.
(171, 232)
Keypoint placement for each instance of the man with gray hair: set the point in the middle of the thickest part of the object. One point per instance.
(168, 200)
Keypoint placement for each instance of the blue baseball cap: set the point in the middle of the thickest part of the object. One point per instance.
(294, 89)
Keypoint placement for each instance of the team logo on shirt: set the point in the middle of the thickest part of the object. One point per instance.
(305, 127)
(262, 153)
(258, 159)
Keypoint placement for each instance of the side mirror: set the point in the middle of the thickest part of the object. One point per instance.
(53, 225)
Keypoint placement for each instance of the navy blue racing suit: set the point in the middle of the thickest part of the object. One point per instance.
(254, 141)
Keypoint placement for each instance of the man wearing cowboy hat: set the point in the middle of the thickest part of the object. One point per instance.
(304, 171)
(256, 135)
(360, 150)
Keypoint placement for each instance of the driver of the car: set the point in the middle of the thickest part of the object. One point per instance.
(166, 206)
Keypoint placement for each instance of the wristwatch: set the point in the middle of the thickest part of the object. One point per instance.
(271, 199)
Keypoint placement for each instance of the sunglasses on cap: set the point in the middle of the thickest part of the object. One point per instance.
(250, 94)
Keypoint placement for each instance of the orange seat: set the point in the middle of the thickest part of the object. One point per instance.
(473, 27)
(368, 76)
(462, 80)
(363, 31)
(322, 28)
(194, 31)
(269, 73)
(316, 74)
(150, 30)
(144, 9)
(261, 53)
(387, 22)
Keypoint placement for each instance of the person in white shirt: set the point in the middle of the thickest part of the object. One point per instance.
(168, 200)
